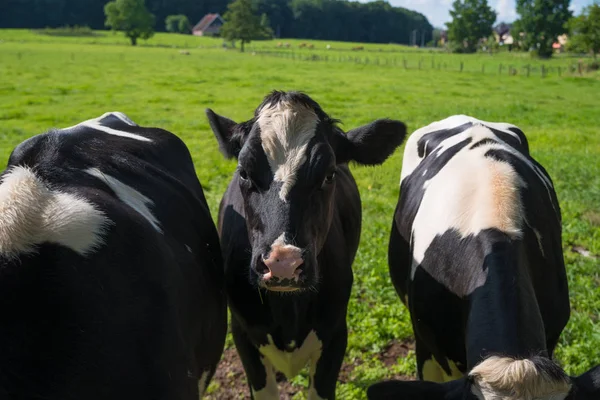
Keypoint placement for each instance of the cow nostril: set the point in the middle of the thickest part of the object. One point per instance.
(261, 268)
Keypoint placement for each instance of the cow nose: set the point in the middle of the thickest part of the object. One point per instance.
(283, 262)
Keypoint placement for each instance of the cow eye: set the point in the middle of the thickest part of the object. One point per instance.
(243, 174)
(329, 178)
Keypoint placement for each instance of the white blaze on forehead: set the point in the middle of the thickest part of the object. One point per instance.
(129, 196)
(96, 123)
(285, 130)
(31, 214)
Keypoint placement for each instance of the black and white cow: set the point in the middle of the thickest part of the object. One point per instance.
(475, 253)
(290, 225)
(111, 281)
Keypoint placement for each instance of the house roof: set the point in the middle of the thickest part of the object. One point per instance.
(206, 21)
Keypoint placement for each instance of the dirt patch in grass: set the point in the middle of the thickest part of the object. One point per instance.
(232, 384)
(232, 380)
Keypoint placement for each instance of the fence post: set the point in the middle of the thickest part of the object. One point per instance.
(461, 66)
(559, 71)
(543, 71)
(483, 68)
(404, 61)
(528, 70)
(500, 69)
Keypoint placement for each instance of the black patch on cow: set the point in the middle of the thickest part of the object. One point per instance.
(430, 141)
(509, 140)
(483, 142)
(522, 137)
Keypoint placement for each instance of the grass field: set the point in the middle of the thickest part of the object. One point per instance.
(49, 82)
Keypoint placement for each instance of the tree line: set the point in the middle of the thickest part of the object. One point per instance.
(375, 21)
(537, 29)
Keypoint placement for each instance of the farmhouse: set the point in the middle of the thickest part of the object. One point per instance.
(209, 25)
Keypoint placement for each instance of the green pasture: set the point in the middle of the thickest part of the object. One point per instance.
(48, 81)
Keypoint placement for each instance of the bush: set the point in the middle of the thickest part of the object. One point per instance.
(67, 31)
(178, 24)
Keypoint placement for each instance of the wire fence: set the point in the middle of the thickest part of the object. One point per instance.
(438, 63)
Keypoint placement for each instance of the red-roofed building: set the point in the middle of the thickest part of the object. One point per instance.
(209, 25)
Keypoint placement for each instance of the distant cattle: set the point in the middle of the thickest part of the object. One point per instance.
(358, 48)
(302, 45)
(311, 46)
(476, 254)
(290, 225)
(111, 281)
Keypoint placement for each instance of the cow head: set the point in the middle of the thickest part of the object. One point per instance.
(288, 155)
(499, 378)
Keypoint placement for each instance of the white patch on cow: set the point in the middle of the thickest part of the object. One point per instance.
(411, 157)
(95, 124)
(291, 362)
(202, 382)
(477, 192)
(285, 130)
(31, 214)
(270, 391)
(504, 378)
(188, 248)
(129, 196)
(122, 117)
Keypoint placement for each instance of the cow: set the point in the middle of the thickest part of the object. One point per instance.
(475, 254)
(111, 276)
(289, 225)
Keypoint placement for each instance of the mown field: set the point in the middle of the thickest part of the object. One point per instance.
(48, 81)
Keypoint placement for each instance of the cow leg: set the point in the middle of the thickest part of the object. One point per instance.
(324, 370)
(259, 371)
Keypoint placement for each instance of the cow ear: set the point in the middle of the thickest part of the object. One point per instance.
(371, 144)
(407, 390)
(228, 133)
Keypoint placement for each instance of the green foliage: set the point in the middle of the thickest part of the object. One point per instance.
(67, 31)
(242, 23)
(375, 21)
(472, 20)
(42, 74)
(131, 17)
(542, 21)
(585, 30)
(265, 23)
(177, 24)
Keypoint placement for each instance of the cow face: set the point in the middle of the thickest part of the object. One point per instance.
(288, 156)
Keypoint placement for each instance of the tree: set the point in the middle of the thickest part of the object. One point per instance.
(472, 20)
(542, 21)
(242, 23)
(131, 17)
(265, 23)
(177, 23)
(585, 30)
